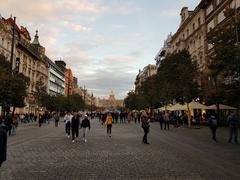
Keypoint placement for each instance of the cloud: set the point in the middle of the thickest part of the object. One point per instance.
(170, 13)
(76, 27)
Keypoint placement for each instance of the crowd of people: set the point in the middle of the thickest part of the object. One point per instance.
(80, 121)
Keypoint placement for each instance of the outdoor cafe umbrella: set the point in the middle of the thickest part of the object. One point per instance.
(165, 108)
(221, 106)
(177, 107)
(195, 105)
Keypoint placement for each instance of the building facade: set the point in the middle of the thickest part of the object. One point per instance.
(56, 84)
(191, 34)
(111, 103)
(163, 51)
(69, 82)
(142, 76)
(30, 56)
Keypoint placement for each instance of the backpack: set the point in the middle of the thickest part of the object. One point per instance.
(213, 121)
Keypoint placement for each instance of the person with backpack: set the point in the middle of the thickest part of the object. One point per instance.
(213, 124)
(85, 124)
(67, 120)
(3, 142)
(75, 123)
(145, 126)
(233, 123)
(108, 122)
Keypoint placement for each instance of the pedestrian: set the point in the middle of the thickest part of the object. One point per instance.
(213, 124)
(3, 142)
(166, 120)
(8, 122)
(15, 124)
(146, 128)
(56, 118)
(161, 119)
(75, 123)
(67, 120)
(85, 124)
(108, 122)
(233, 122)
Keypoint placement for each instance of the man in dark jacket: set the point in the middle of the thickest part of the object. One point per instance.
(233, 122)
(145, 126)
(85, 124)
(213, 124)
(3, 142)
(75, 123)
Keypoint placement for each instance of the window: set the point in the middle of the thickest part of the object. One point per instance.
(220, 17)
(218, 2)
(193, 26)
(209, 9)
(199, 21)
(8, 46)
(187, 32)
(210, 26)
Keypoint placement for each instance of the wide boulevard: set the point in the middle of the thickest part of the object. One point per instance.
(46, 153)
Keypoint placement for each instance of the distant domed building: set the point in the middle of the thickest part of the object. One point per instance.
(110, 103)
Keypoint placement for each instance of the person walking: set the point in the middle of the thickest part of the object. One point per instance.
(166, 120)
(161, 119)
(56, 118)
(75, 123)
(213, 123)
(108, 122)
(85, 124)
(15, 124)
(146, 128)
(8, 122)
(233, 122)
(67, 120)
(3, 142)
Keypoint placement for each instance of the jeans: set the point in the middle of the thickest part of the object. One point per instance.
(67, 128)
(75, 132)
(233, 131)
(146, 131)
(166, 125)
(109, 129)
(213, 129)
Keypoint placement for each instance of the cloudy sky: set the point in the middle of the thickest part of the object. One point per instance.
(104, 42)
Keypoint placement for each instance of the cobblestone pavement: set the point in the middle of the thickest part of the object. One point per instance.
(179, 154)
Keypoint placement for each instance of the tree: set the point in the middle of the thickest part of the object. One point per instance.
(224, 61)
(13, 87)
(177, 78)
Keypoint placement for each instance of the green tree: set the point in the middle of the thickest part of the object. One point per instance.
(224, 61)
(177, 78)
(13, 87)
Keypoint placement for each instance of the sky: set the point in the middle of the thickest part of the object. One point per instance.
(104, 42)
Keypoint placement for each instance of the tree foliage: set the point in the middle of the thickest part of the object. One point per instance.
(13, 87)
(63, 103)
(176, 79)
(224, 61)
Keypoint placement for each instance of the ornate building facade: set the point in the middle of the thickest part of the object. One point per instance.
(111, 103)
(142, 76)
(31, 57)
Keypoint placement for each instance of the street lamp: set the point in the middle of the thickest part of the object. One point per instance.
(12, 48)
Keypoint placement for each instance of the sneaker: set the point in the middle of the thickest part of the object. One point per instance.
(68, 136)
(85, 140)
(73, 141)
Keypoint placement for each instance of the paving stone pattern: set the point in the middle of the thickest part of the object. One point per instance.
(45, 153)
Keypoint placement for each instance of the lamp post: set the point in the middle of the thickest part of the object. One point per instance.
(91, 102)
(12, 47)
(84, 96)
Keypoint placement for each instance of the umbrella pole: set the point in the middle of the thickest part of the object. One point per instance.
(189, 116)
